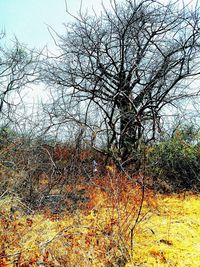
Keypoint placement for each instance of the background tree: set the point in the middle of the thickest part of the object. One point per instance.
(18, 69)
(123, 68)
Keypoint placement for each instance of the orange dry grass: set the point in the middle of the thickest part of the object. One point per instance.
(167, 232)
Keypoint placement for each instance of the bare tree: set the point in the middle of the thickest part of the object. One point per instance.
(124, 67)
(18, 69)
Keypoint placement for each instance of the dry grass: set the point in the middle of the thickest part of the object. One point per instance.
(98, 234)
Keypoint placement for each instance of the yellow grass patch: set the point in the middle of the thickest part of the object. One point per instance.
(167, 234)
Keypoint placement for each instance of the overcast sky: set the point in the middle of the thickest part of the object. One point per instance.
(28, 19)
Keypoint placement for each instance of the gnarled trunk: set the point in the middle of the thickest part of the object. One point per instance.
(130, 129)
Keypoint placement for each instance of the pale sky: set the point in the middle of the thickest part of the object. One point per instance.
(28, 19)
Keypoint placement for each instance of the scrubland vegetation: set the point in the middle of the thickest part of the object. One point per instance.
(106, 171)
(50, 216)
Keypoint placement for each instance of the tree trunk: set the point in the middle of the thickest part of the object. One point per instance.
(130, 129)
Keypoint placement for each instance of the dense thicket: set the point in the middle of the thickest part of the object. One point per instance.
(176, 161)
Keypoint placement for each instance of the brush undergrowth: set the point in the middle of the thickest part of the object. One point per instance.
(55, 211)
(110, 229)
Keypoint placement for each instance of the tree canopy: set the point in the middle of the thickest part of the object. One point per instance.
(121, 68)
